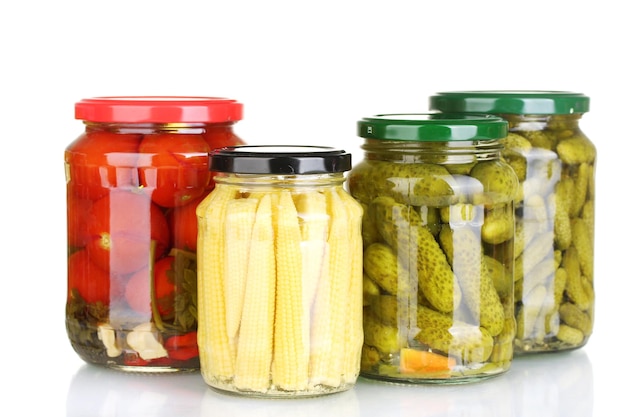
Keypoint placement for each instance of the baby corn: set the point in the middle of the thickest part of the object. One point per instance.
(282, 290)
(240, 216)
(291, 341)
(256, 334)
(216, 358)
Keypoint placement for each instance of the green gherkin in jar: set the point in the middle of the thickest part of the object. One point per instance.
(554, 211)
(438, 234)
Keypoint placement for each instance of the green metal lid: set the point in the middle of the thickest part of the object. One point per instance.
(510, 102)
(432, 127)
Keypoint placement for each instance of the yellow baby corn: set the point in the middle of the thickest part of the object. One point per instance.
(240, 214)
(314, 221)
(216, 358)
(291, 339)
(354, 316)
(328, 366)
(282, 297)
(256, 334)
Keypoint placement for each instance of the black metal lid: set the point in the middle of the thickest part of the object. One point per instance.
(279, 159)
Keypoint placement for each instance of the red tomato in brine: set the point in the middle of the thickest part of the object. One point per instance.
(122, 227)
(222, 136)
(90, 281)
(138, 287)
(77, 220)
(184, 225)
(174, 167)
(99, 160)
(182, 347)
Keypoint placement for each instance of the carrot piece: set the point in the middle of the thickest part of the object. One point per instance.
(412, 361)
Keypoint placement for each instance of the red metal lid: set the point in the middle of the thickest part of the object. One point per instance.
(158, 109)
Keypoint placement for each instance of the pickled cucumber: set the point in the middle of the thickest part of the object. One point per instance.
(553, 244)
(381, 265)
(469, 344)
(439, 233)
(413, 184)
(401, 228)
(499, 182)
(464, 251)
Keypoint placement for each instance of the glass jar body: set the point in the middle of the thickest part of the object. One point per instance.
(554, 292)
(438, 230)
(132, 190)
(280, 285)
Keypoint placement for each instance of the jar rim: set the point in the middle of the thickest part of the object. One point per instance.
(432, 127)
(279, 159)
(158, 109)
(535, 102)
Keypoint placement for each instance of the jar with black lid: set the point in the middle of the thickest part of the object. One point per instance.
(555, 163)
(438, 232)
(135, 176)
(279, 273)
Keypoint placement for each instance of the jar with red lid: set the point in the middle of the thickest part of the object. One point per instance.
(134, 179)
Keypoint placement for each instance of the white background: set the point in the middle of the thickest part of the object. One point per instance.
(306, 71)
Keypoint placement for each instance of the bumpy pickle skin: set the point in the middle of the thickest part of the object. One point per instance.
(581, 240)
(576, 318)
(370, 290)
(518, 163)
(562, 228)
(385, 308)
(463, 250)
(503, 348)
(430, 218)
(588, 216)
(581, 188)
(358, 184)
(401, 227)
(429, 318)
(469, 344)
(378, 335)
(574, 287)
(570, 335)
(516, 143)
(541, 139)
(370, 358)
(414, 184)
(558, 285)
(499, 275)
(369, 232)
(389, 312)
(576, 150)
(499, 182)
(380, 263)
(499, 225)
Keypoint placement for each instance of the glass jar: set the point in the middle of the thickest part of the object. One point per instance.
(438, 232)
(279, 273)
(555, 163)
(134, 179)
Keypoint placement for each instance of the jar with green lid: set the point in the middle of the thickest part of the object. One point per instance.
(438, 231)
(554, 210)
(279, 273)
